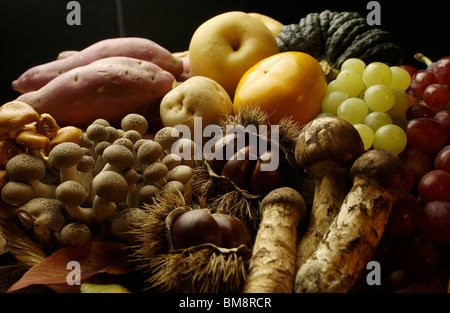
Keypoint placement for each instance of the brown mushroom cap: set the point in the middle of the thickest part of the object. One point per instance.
(8, 149)
(66, 134)
(65, 155)
(47, 126)
(76, 235)
(118, 156)
(165, 139)
(111, 186)
(25, 167)
(328, 138)
(71, 193)
(285, 196)
(87, 164)
(155, 172)
(123, 223)
(149, 151)
(135, 122)
(48, 212)
(97, 132)
(15, 114)
(17, 193)
(382, 169)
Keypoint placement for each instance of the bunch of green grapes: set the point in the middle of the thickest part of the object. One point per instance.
(373, 98)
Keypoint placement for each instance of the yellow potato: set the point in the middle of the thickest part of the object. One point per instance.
(198, 96)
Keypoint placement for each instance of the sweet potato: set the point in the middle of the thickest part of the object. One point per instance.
(133, 47)
(109, 88)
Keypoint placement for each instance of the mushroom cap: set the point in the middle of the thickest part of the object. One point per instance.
(101, 146)
(110, 186)
(97, 132)
(47, 126)
(15, 114)
(285, 195)
(165, 139)
(47, 211)
(8, 149)
(75, 234)
(135, 122)
(149, 151)
(155, 172)
(25, 167)
(382, 169)
(131, 176)
(126, 142)
(87, 164)
(32, 140)
(181, 173)
(147, 193)
(66, 134)
(118, 155)
(132, 135)
(71, 193)
(124, 222)
(328, 138)
(17, 193)
(66, 154)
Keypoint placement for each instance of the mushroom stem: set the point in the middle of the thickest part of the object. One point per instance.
(340, 258)
(103, 209)
(43, 190)
(325, 148)
(272, 266)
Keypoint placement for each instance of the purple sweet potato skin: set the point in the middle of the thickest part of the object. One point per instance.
(133, 47)
(109, 88)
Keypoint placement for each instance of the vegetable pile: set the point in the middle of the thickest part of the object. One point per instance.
(89, 171)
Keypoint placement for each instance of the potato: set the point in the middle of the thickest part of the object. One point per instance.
(109, 88)
(198, 96)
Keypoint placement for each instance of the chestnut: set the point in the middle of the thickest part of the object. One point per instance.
(262, 182)
(234, 231)
(195, 227)
(239, 168)
(223, 149)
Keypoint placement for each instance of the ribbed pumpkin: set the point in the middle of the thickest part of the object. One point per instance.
(337, 36)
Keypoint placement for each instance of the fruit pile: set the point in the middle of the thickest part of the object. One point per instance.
(141, 158)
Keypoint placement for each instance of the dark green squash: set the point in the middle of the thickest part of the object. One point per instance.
(333, 37)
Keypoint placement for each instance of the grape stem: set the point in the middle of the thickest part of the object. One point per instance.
(422, 58)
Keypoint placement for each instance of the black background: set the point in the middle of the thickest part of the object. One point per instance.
(33, 32)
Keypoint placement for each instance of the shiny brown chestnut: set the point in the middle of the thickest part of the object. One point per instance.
(240, 167)
(223, 149)
(195, 227)
(234, 231)
(263, 181)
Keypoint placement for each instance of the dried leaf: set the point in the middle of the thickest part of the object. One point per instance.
(98, 257)
(21, 246)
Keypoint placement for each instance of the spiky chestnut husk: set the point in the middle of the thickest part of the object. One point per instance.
(204, 268)
(224, 196)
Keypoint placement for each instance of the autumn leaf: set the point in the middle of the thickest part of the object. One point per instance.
(98, 257)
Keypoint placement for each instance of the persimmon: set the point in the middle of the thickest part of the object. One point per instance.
(288, 84)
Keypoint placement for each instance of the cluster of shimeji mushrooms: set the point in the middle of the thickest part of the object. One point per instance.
(92, 184)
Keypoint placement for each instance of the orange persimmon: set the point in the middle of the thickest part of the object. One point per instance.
(287, 84)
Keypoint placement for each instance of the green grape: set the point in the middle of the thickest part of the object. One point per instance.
(400, 78)
(391, 138)
(350, 82)
(331, 101)
(353, 64)
(401, 103)
(379, 98)
(377, 119)
(353, 110)
(332, 86)
(366, 134)
(377, 73)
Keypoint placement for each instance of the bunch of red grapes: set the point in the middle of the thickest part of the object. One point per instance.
(416, 243)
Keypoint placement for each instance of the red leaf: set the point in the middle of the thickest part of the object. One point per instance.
(98, 257)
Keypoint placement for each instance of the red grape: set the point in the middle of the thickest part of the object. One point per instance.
(418, 254)
(435, 185)
(426, 134)
(436, 96)
(442, 160)
(421, 80)
(404, 217)
(443, 117)
(410, 69)
(419, 110)
(435, 220)
(442, 71)
(417, 161)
